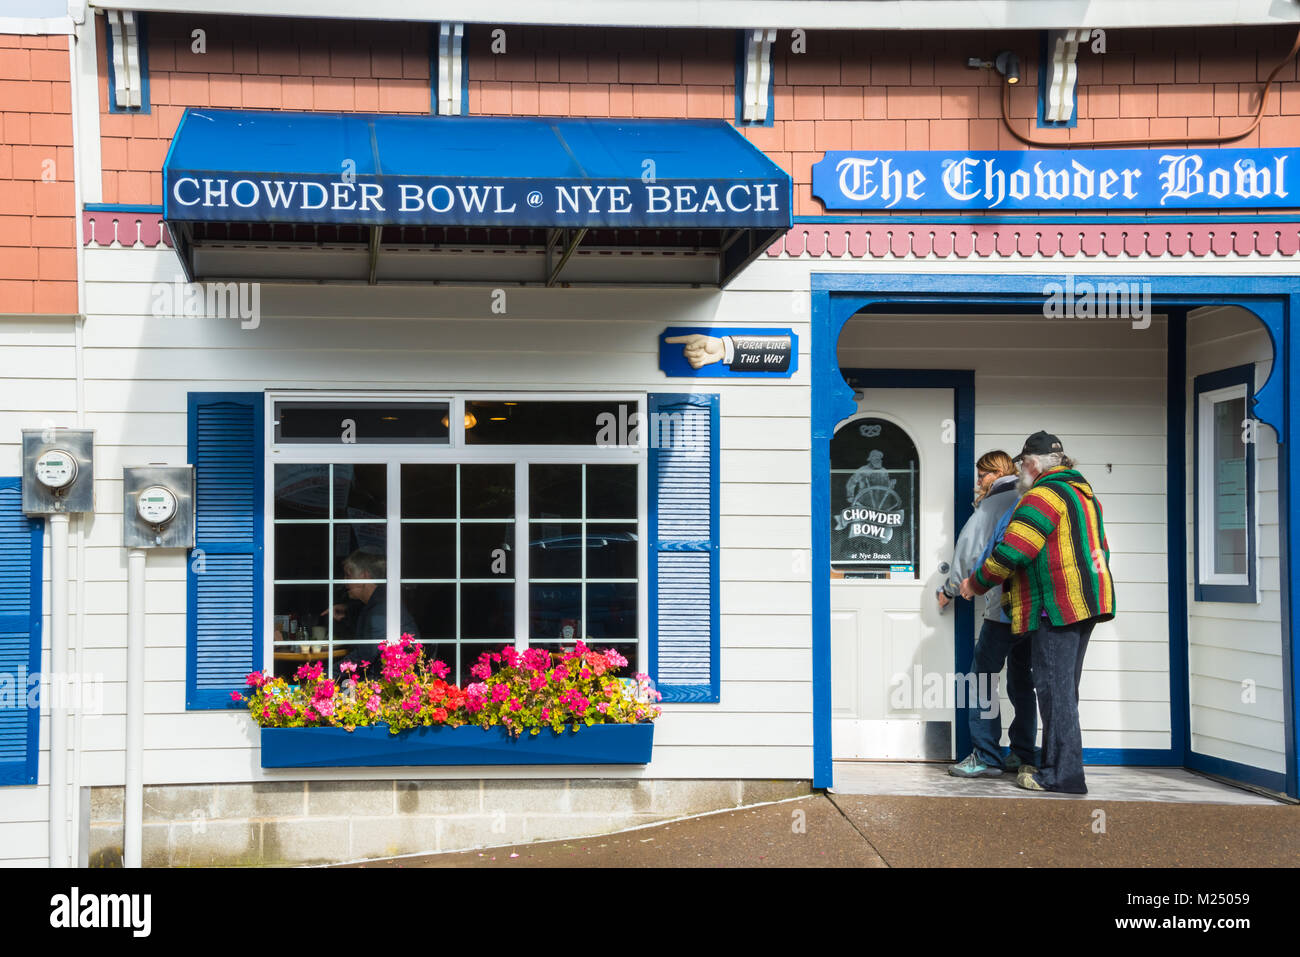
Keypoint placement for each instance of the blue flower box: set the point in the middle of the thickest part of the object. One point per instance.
(374, 747)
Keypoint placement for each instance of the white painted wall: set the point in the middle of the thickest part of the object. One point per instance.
(139, 368)
(37, 389)
(1229, 643)
(1100, 386)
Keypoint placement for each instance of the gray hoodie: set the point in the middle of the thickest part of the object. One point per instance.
(975, 535)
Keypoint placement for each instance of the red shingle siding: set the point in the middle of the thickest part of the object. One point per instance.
(847, 91)
(38, 268)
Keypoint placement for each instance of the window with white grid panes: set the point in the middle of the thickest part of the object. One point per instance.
(437, 518)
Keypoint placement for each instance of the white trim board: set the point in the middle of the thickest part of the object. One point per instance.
(782, 14)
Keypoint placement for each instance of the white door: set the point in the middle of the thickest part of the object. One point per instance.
(892, 467)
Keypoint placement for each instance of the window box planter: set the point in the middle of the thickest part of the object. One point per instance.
(374, 747)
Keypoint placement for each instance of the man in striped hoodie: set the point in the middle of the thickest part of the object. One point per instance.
(1055, 562)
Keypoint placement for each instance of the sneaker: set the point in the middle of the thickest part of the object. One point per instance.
(1025, 779)
(1011, 763)
(972, 767)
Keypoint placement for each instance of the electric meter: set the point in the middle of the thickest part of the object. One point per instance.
(56, 469)
(156, 504)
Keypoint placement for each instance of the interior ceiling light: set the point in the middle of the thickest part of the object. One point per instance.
(470, 420)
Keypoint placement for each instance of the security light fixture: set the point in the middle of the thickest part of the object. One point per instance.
(1006, 63)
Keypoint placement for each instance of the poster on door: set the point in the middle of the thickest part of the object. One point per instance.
(874, 482)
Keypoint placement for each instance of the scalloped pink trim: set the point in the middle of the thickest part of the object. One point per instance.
(962, 240)
(898, 240)
(125, 227)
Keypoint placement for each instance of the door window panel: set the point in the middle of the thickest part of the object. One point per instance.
(875, 479)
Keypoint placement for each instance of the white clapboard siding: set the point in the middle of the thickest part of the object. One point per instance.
(746, 465)
(139, 366)
(767, 631)
(758, 498)
(763, 564)
(37, 390)
(1101, 387)
(1230, 643)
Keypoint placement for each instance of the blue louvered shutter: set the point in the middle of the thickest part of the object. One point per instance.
(224, 578)
(683, 500)
(20, 635)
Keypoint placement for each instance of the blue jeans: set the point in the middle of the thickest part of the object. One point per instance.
(995, 647)
(1058, 665)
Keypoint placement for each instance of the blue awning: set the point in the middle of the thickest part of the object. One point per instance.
(384, 181)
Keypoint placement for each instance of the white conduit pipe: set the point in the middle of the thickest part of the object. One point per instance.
(133, 802)
(55, 689)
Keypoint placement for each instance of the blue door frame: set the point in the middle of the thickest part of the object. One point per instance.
(962, 383)
(1273, 300)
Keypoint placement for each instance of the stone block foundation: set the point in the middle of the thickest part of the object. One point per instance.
(325, 822)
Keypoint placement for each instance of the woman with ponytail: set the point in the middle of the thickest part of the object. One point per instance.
(995, 495)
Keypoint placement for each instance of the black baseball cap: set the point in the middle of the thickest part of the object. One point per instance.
(1040, 443)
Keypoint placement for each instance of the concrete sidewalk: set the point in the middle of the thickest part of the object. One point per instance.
(838, 830)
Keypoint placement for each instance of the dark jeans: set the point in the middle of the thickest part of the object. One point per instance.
(1058, 665)
(995, 647)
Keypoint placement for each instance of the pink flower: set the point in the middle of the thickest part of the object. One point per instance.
(510, 656)
(537, 658)
(324, 691)
(481, 670)
(515, 704)
(285, 710)
(310, 672)
(603, 706)
(257, 679)
(372, 705)
(615, 659)
(575, 700)
(500, 692)
(546, 714)
(477, 688)
(399, 658)
(325, 706)
(473, 703)
(236, 696)
(538, 683)
(440, 669)
(584, 674)
(347, 667)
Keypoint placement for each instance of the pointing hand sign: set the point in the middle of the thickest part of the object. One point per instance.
(699, 350)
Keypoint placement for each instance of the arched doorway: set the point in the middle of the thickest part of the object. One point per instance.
(838, 298)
